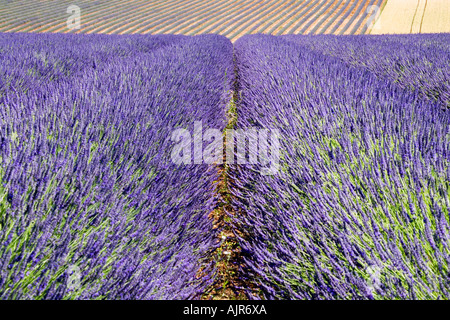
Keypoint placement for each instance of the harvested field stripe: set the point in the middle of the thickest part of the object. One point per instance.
(205, 17)
(314, 20)
(90, 17)
(299, 14)
(18, 12)
(126, 21)
(233, 14)
(227, 17)
(48, 16)
(341, 21)
(184, 17)
(259, 28)
(20, 24)
(130, 19)
(96, 23)
(275, 29)
(258, 16)
(272, 18)
(325, 17)
(334, 18)
(222, 27)
(191, 20)
(254, 16)
(117, 21)
(9, 15)
(363, 25)
(223, 23)
(305, 16)
(148, 23)
(339, 26)
(359, 18)
(142, 14)
(111, 20)
(61, 24)
(382, 6)
(127, 29)
(167, 18)
(306, 19)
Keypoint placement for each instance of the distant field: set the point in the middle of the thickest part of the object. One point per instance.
(230, 18)
(437, 17)
(414, 16)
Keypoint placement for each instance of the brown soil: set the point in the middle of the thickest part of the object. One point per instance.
(231, 280)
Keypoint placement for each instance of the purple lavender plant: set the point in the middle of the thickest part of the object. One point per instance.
(416, 62)
(360, 206)
(87, 182)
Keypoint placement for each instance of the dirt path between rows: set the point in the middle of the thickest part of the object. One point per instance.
(232, 282)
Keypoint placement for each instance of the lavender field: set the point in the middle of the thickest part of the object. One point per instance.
(358, 209)
(85, 164)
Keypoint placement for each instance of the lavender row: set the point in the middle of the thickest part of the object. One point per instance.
(87, 182)
(416, 62)
(359, 208)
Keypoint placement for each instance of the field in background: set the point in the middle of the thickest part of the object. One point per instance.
(414, 16)
(231, 18)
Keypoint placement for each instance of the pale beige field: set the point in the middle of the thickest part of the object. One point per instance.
(414, 16)
(418, 17)
(397, 17)
(437, 16)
